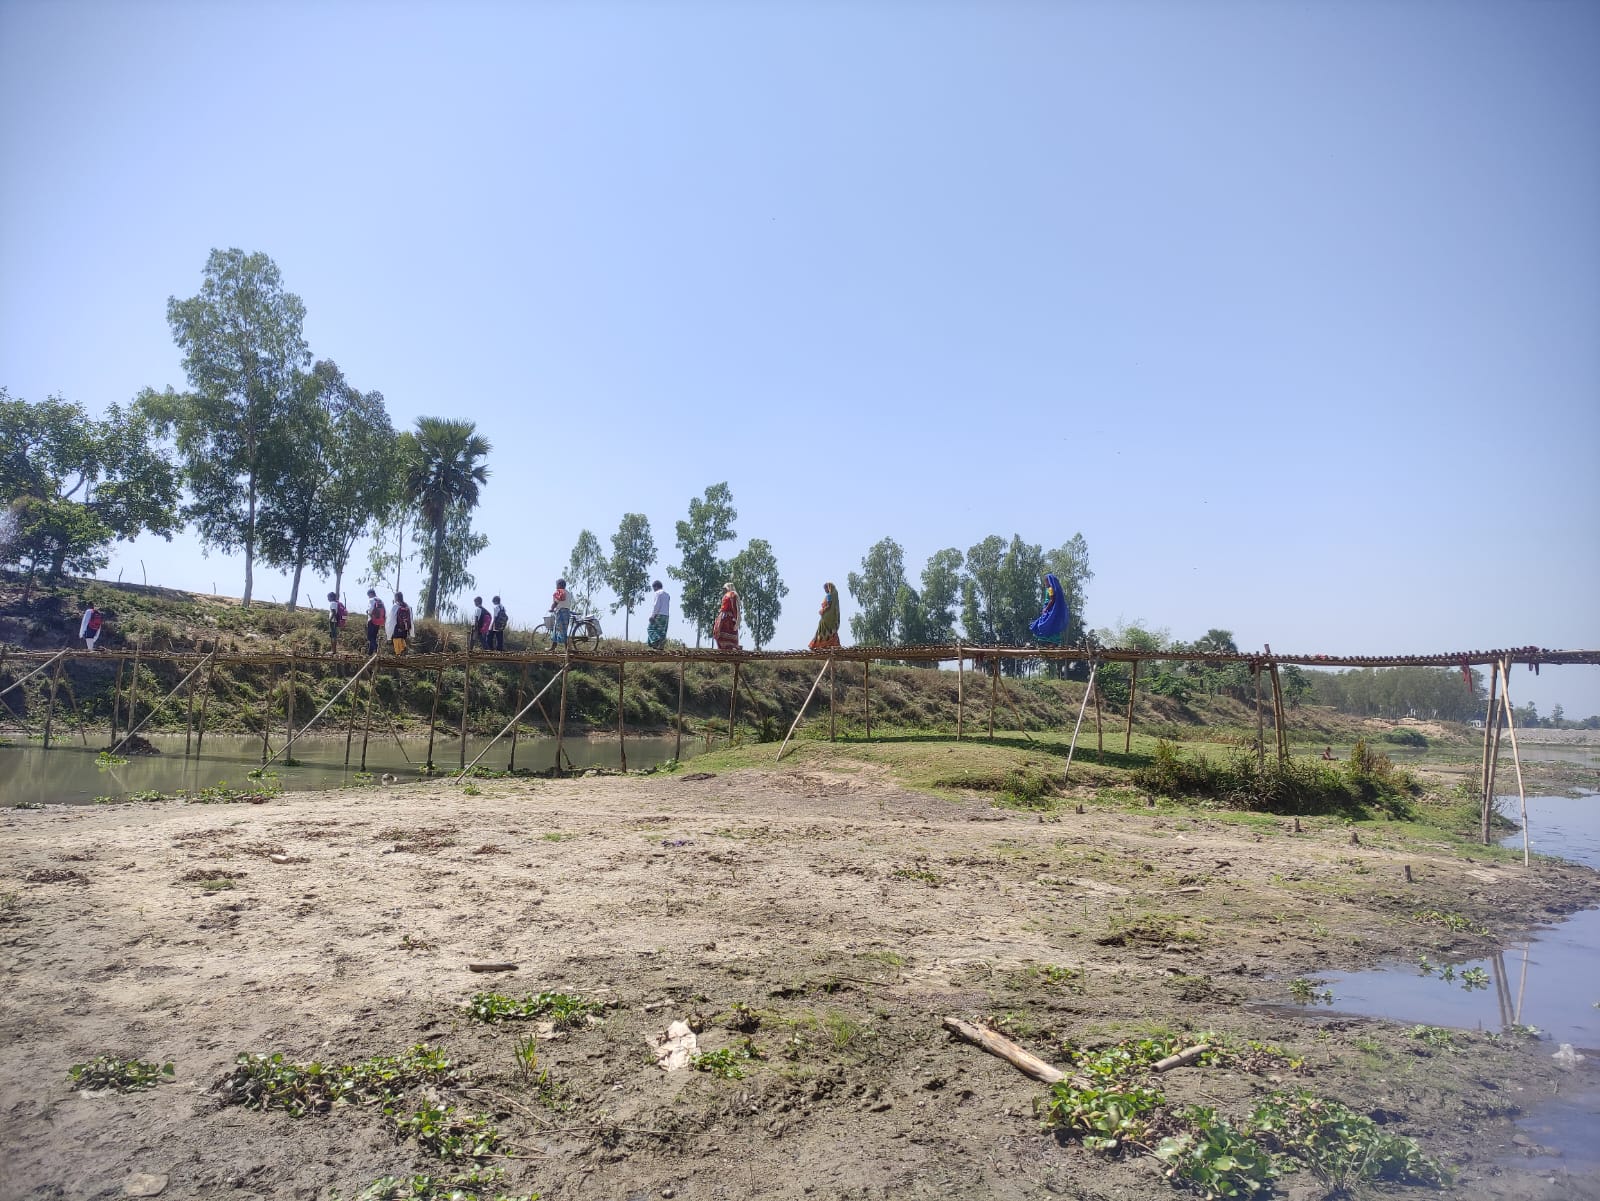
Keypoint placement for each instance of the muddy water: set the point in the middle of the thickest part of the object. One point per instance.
(72, 775)
(1550, 980)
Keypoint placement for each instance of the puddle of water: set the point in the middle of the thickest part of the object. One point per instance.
(1566, 1124)
(1550, 980)
(70, 774)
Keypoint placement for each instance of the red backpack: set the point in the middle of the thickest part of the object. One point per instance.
(342, 613)
(94, 622)
(379, 613)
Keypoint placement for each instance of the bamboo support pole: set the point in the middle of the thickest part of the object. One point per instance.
(266, 713)
(826, 667)
(288, 706)
(866, 678)
(50, 705)
(350, 722)
(677, 744)
(205, 702)
(466, 706)
(156, 708)
(510, 725)
(77, 714)
(116, 700)
(284, 750)
(1494, 753)
(522, 684)
(961, 713)
(561, 712)
(1133, 689)
(622, 741)
(366, 721)
(1099, 731)
(45, 666)
(133, 689)
(1088, 688)
(1261, 729)
(994, 671)
(833, 733)
(1516, 757)
(1015, 712)
(733, 704)
(1490, 726)
(188, 723)
(433, 715)
(1277, 716)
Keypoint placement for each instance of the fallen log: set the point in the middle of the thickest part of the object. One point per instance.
(491, 967)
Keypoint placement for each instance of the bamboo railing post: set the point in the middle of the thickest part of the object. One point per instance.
(466, 706)
(1088, 688)
(733, 703)
(266, 715)
(205, 702)
(677, 745)
(522, 684)
(116, 700)
(433, 714)
(366, 724)
(1133, 689)
(50, 706)
(316, 717)
(77, 716)
(622, 742)
(350, 724)
(961, 673)
(866, 678)
(1489, 725)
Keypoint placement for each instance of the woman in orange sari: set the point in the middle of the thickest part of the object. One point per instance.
(828, 622)
(726, 628)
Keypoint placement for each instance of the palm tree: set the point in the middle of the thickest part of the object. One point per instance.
(443, 473)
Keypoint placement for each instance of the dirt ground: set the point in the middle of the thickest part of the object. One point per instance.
(832, 918)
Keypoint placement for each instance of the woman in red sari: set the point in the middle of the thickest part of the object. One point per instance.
(726, 628)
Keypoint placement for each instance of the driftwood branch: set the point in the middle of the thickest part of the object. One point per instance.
(1030, 1064)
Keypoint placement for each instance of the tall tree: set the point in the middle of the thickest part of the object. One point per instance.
(941, 593)
(445, 562)
(633, 550)
(242, 351)
(702, 570)
(876, 589)
(982, 603)
(444, 472)
(367, 474)
(754, 572)
(586, 571)
(70, 484)
(294, 477)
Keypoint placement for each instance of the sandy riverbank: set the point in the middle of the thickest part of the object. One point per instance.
(849, 914)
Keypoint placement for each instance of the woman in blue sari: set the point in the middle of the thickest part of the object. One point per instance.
(1051, 625)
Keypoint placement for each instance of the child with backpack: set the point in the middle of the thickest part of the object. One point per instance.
(377, 618)
(336, 620)
(402, 623)
(497, 633)
(89, 628)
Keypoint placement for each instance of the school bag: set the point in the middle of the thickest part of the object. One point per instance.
(501, 619)
(342, 613)
(483, 621)
(94, 622)
(379, 613)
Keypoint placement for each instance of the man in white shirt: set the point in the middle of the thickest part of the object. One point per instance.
(656, 636)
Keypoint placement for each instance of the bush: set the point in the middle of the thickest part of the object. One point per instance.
(1296, 786)
(1406, 738)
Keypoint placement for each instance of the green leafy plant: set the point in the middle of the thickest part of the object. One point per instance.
(1216, 1160)
(1474, 978)
(564, 1009)
(1450, 921)
(106, 759)
(1306, 992)
(119, 1075)
(1104, 1117)
(445, 1132)
(728, 1063)
(1339, 1145)
(273, 1082)
(1436, 1037)
(476, 1183)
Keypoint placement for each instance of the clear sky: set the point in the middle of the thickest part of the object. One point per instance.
(1293, 310)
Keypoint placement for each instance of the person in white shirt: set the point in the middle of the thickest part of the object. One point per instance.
(89, 628)
(656, 636)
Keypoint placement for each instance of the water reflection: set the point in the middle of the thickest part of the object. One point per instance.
(74, 775)
(1550, 980)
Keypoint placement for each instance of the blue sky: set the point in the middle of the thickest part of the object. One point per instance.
(1291, 310)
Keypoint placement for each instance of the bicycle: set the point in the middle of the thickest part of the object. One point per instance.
(583, 630)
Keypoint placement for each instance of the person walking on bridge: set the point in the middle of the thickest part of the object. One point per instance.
(656, 634)
(726, 628)
(828, 621)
